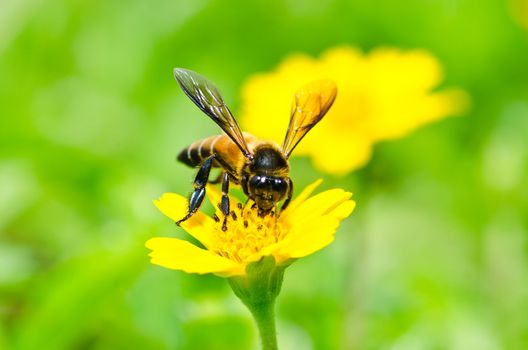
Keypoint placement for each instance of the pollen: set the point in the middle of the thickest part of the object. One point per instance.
(245, 233)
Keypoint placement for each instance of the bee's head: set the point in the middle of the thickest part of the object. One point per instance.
(267, 191)
(268, 181)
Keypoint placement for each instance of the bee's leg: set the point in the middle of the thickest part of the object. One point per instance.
(224, 203)
(274, 214)
(289, 196)
(197, 196)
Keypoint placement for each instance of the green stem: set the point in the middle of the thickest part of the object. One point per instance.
(258, 290)
(264, 314)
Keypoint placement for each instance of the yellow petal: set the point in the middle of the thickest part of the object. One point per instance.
(343, 210)
(200, 226)
(313, 224)
(319, 205)
(304, 240)
(306, 192)
(181, 255)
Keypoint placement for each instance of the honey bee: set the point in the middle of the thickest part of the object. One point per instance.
(260, 167)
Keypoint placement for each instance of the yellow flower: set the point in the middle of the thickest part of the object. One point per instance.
(306, 226)
(383, 95)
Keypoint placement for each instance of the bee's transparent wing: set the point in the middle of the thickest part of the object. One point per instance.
(310, 104)
(207, 97)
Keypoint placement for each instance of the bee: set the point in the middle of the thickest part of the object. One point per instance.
(260, 167)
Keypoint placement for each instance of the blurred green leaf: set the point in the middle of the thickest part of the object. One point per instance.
(65, 304)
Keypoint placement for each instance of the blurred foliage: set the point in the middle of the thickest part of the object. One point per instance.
(434, 257)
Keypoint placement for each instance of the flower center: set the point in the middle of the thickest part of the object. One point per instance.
(246, 233)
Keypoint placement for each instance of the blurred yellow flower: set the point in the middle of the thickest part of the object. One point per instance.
(383, 95)
(306, 226)
(519, 11)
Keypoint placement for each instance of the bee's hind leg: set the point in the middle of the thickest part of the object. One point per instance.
(197, 196)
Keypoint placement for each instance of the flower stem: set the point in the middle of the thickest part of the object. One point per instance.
(258, 290)
(264, 314)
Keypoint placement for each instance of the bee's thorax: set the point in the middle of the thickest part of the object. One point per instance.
(269, 160)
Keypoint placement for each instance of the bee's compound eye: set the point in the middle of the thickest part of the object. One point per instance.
(257, 184)
(280, 187)
(256, 181)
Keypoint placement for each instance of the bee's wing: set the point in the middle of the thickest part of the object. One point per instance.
(207, 97)
(310, 104)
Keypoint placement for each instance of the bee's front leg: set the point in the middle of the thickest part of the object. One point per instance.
(224, 203)
(197, 196)
(289, 195)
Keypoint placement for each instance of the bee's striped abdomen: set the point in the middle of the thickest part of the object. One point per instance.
(227, 154)
(198, 151)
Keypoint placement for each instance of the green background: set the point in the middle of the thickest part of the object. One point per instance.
(434, 257)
